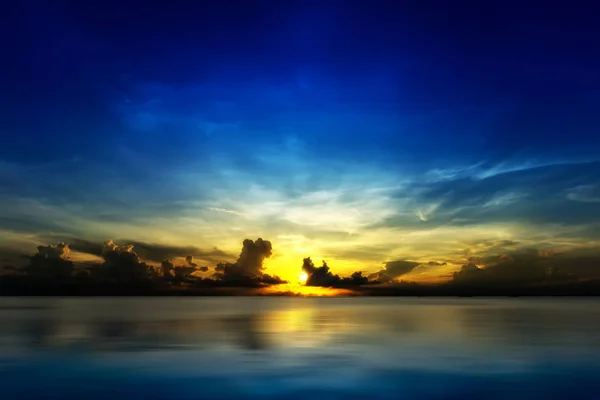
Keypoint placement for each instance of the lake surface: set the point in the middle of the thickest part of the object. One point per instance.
(299, 348)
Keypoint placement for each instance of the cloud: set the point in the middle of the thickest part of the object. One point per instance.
(190, 261)
(183, 272)
(356, 279)
(154, 252)
(170, 271)
(532, 195)
(399, 268)
(585, 194)
(322, 276)
(51, 262)
(85, 246)
(224, 210)
(248, 269)
(270, 279)
(531, 267)
(394, 270)
(253, 254)
(319, 276)
(468, 273)
(436, 264)
(166, 268)
(11, 256)
(122, 264)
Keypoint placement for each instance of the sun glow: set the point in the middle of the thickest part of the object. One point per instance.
(303, 278)
(301, 290)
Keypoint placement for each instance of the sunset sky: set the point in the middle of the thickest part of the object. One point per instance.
(336, 130)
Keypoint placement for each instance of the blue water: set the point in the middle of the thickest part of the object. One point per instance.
(299, 348)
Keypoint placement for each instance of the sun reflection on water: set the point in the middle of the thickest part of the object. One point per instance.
(301, 290)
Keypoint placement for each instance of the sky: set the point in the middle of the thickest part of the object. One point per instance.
(414, 135)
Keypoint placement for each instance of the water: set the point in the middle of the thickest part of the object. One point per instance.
(299, 348)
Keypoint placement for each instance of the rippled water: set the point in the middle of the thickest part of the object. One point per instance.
(288, 348)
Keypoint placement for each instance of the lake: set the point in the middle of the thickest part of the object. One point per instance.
(299, 348)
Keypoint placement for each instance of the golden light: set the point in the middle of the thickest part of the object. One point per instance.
(303, 277)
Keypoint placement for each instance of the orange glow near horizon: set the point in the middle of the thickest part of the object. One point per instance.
(301, 290)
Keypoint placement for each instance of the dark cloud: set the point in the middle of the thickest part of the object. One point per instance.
(9, 268)
(166, 268)
(319, 276)
(29, 224)
(248, 270)
(473, 260)
(253, 254)
(122, 264)
(584, 262)
(356, 279)
(467, 273)
(379, 277)
(507, 243)
(436, 264)
(190, 261)
(479, 250)
(86, 246)
(174, 272)
(14, 258)
(524, 268)
(531, 267)
(399, 268)
(393, 270)
(231, 274)
(154, 252)
(322, 276)
(183, 272)
(51, 262)
(270, 279)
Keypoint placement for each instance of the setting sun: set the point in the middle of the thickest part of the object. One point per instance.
(303, 277)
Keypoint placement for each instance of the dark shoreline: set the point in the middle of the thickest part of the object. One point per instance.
(23, 286)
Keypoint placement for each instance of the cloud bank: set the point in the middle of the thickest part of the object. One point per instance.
(122, 265)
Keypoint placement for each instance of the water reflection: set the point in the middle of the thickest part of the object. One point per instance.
(297, 344)
(246, 330)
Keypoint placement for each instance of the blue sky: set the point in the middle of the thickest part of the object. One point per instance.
(356, 132)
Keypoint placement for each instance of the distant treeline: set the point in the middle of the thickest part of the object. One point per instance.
(26, 286)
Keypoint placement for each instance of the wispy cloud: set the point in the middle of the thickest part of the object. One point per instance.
(585, 194)
(224, 210)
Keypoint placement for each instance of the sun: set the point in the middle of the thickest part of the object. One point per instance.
(303, 277)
